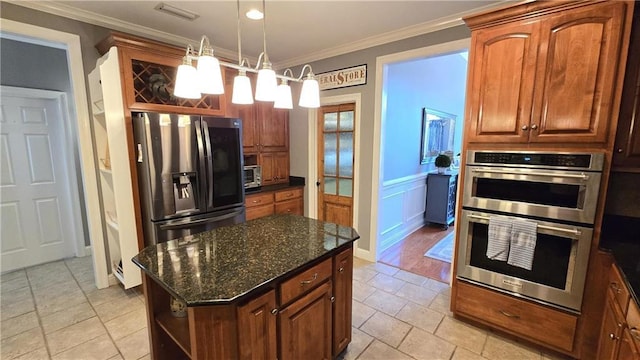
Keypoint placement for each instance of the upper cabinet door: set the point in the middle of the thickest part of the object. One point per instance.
(501, 73)
(576, 74)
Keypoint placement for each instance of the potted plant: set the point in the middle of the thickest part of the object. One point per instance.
(442, 162)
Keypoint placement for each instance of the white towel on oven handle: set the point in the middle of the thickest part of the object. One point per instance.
(523, 243)
(499, 237)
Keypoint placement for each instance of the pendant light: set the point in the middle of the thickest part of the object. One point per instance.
(310, 93)
(283, 94)
(209, 73)
(242, 93)
(267, 83)
(187, 79)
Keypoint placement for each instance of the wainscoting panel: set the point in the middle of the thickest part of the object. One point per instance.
(401, 209)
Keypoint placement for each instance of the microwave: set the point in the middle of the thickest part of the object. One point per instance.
(252, 176)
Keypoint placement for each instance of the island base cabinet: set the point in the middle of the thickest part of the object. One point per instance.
(257, 328)
(342, 291)
(305, 326)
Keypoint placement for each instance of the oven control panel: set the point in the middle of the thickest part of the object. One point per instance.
(589, 161)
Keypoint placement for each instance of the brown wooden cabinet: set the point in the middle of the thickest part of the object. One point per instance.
(544, 78)
(148, 77)
(626, 156)
(275, 167)
(620, 331)
(342, 280)
(302, 323)
(305, 326)
(257, 319)
(287, 201)
(539, 324)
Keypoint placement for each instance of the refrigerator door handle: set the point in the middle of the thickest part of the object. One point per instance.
(201, 165)
(187, 223)
(209, 155)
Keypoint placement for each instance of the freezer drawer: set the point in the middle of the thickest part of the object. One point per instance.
(162, 231)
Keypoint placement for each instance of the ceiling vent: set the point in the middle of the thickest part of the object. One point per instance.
(172, 10)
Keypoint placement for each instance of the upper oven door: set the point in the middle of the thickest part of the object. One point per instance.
(555, 194)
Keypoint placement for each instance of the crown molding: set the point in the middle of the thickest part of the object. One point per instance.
(114, 24)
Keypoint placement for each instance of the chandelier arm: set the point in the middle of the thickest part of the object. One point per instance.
(204, 41)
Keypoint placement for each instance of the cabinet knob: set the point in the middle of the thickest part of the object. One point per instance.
(333, 299)
(341, 269)
(274, 311)
(613, 337)
(534, 127)
(525, 127)
(620, 151)
(616, 288)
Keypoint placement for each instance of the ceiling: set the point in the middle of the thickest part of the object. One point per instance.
(297, 32)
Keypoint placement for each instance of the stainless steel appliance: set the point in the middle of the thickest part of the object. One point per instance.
(559, 192)
(252, 176)
(189, 173)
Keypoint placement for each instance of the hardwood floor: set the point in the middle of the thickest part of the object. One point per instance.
(408, 254)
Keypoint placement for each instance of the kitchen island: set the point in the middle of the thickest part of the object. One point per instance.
(274, 287)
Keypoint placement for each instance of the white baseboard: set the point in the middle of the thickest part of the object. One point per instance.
(363, 254)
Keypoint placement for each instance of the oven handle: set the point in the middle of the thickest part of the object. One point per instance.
(492, 171)
(552, 228)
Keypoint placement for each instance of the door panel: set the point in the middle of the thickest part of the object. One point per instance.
(36, 204)
(336, 133)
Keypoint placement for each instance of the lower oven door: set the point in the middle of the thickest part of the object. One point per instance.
(559, 267)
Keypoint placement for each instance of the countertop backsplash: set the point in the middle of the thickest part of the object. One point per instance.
(623, 196)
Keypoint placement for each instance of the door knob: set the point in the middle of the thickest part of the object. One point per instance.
(318, 183)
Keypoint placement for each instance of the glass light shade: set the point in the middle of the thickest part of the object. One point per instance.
(310, 94)
(283, 97)
(209, 75)
(187, 83)
(242, 90)
(266, 85)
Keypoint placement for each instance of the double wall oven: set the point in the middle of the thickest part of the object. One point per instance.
(556, 191)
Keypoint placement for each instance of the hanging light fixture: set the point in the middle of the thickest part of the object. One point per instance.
(188, 79)
(310, 93)
(283, 94)
(242, 93)
(267, 83)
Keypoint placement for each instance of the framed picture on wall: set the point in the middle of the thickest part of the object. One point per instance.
(438, 128)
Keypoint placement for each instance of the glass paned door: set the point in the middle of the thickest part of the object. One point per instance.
(335, 159)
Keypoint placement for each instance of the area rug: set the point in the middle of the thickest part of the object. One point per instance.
(443, 249)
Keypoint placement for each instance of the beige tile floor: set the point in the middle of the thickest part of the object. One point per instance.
(54, 311)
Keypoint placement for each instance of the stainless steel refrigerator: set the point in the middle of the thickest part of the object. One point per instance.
(189, 173)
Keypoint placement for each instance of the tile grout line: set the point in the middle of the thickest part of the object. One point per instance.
(94, 310)
(35, 309)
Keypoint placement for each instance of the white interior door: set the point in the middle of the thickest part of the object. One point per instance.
(35, 202)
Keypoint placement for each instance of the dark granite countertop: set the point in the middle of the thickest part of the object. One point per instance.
(224, 264)
(621, 236)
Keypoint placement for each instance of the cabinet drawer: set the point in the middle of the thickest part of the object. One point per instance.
(618, 288)
(305, 281)
(259, 211)
(258, 199)
(288, 194)
(293, 206)
(532, 321)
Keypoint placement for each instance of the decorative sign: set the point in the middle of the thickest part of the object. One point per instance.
(352, 76)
